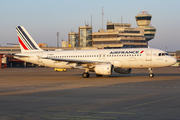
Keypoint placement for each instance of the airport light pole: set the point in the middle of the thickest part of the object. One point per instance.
(57, 40)
(102, 17)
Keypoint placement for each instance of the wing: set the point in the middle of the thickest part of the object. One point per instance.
(78, 62)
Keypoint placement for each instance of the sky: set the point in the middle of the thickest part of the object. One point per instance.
(44, 18)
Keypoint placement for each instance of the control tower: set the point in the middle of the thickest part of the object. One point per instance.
(143, 20)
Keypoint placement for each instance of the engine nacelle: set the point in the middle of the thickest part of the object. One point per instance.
(122, 71)
(104, 69)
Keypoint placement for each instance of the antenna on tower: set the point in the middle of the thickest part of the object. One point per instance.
(102, 17)
(91, 20)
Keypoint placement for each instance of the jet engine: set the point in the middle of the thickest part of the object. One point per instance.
(103, 69)
(123, 71)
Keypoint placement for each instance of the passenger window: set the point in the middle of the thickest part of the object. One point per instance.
(159, 54)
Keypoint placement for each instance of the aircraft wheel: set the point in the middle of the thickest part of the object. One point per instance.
(151, 75)
(85, 75)
(98, 75)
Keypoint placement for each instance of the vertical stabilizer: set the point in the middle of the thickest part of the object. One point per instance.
(26, 42)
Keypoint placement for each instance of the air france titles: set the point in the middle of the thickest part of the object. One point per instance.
(124, 52)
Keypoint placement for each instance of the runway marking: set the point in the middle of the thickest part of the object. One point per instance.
(148, 103)
(55, 118)
(108, 112)
(80, 117)
(29, 86)
(74, 117)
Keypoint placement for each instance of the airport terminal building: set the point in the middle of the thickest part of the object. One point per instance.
(117, 35)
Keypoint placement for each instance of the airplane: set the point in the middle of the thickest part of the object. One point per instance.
(100, 61)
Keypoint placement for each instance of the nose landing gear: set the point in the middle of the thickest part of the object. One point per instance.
(151, 73)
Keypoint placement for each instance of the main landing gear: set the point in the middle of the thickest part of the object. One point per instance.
(85, 75)
(151, 73)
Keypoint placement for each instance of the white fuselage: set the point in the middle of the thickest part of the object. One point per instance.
(120, 58)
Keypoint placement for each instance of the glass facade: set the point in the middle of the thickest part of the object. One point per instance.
(131, 31)
(89, 37)
(133, 41)
(82, 37)
(110, 27)
(85, 37)
(151, 30)
(134, 46)
(149, 35)
(143, 18)
(104, 36)
(106, 42)
(74, 39)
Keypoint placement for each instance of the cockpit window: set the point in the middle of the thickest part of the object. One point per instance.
(167, 54)
(163, 54)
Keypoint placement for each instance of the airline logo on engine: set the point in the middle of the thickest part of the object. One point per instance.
(125, 52)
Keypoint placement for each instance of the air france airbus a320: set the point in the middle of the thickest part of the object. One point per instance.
(102, 62)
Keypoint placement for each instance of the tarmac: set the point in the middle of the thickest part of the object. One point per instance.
(43, 94)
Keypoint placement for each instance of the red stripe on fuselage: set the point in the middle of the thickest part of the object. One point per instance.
(142, 51)
(22, 44)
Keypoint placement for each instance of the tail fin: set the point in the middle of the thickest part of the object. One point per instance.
(26, 41)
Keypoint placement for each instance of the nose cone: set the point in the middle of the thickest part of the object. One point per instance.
(172, 61)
